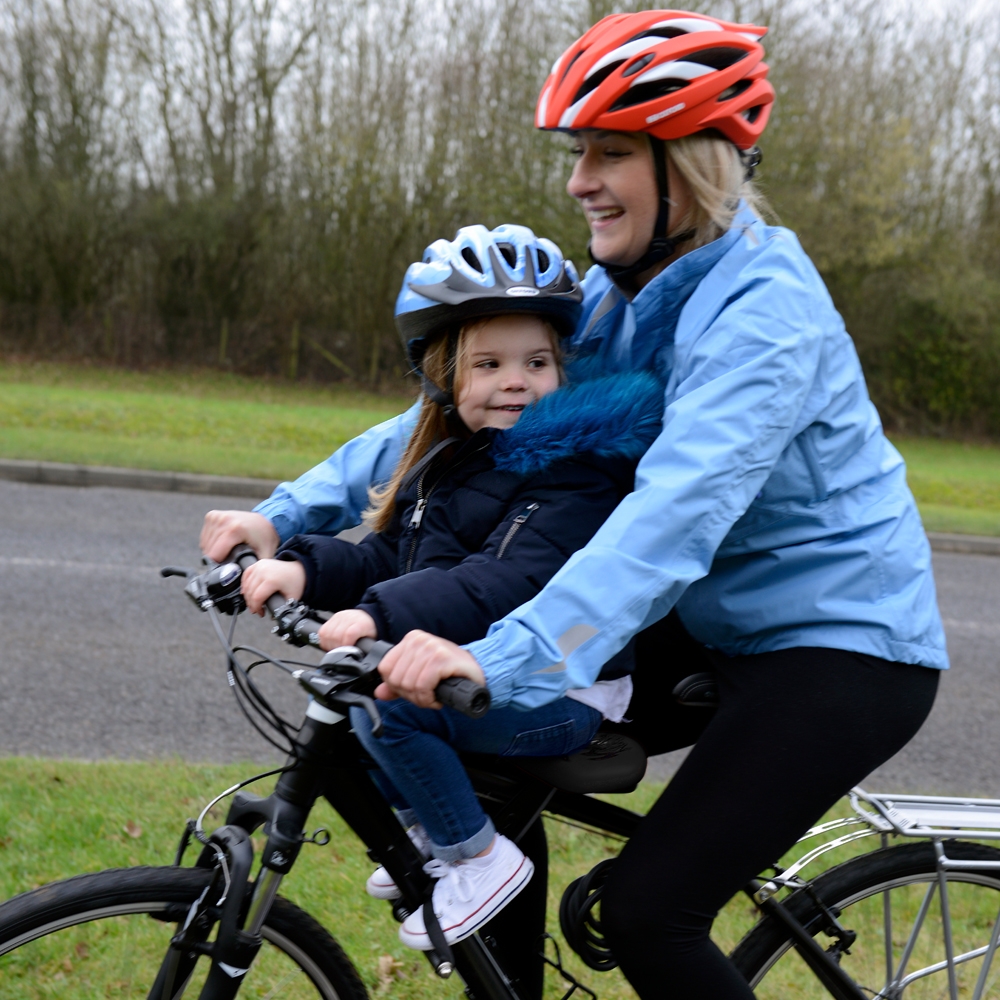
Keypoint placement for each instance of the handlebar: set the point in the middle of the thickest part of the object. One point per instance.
(460, 693)
(221, 588)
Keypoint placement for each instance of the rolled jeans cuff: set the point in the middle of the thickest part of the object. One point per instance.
(476, 844)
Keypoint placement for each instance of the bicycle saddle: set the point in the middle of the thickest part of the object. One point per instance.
(609, 763)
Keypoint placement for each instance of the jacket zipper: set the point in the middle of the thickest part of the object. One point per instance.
(512, 530)
(416, 518)
(418, 511)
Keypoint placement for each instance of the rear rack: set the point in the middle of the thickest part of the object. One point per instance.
(928, 816)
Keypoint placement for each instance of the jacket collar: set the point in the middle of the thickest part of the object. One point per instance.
(613, 416)
(631, 335)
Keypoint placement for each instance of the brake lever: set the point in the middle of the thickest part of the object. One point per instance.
(178, 571)
(346, 699)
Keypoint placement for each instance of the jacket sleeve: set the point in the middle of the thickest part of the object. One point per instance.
(339, 572)
(460, 603)
(331, 496)
(729, 416)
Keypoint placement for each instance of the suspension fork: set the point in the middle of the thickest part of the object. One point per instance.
(230, 852)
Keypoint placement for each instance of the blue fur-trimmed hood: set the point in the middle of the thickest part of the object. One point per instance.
(613, 416)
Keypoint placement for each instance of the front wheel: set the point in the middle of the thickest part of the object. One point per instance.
(891, 899)
(106, 934)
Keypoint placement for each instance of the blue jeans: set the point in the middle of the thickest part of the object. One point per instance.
(417, 753)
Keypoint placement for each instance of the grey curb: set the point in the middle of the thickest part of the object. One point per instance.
(58, 474)
(973, 544)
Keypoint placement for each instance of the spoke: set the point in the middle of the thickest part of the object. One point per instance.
(912, 941)
(987, 961)
(272, 993)
(949, 944)
(887, 931)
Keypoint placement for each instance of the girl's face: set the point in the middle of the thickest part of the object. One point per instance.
(508, 362)
(614, 181)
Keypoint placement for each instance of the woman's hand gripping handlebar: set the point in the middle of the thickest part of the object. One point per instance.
(343, 672)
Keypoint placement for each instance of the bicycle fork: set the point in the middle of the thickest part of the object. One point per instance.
(230, 853)
(234, 949)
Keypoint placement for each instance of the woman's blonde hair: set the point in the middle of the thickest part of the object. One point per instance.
(440, 365)
(716, 174)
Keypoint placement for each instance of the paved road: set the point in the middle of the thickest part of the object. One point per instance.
(100, 657)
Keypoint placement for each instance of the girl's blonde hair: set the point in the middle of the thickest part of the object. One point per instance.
(716, 174)
(440, 365)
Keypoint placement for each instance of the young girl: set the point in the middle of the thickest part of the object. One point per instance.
(506, 475)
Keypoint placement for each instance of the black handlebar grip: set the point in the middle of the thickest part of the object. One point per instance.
(242, 555)
(464, 695)
(460, 693)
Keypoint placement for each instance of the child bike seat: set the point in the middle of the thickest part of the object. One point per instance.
(609, 763)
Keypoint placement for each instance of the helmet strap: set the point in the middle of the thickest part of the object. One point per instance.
(445, 398)
(436, 394)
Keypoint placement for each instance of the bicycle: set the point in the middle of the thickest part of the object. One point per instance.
(215, 931)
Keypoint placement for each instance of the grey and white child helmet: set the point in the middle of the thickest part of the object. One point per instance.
(483, 272)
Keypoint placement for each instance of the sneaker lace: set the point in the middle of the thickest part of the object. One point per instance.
(459, 877)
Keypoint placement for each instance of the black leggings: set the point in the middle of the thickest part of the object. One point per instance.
(793, 732)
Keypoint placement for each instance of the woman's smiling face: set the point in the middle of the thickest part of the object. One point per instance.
(614, 181)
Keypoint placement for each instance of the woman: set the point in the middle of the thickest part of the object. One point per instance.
(771, 536)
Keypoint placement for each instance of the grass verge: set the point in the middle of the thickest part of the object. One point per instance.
(217, 422)
(957, 484)
(62, 818)
(183, 422)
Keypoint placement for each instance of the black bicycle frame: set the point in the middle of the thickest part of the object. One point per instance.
(328, 761)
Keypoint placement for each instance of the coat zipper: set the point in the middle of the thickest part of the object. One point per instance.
(416, 518)
(418, 511)
(512, 530)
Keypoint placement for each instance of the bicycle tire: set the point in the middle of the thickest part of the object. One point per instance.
(856, 889)
(92, 936)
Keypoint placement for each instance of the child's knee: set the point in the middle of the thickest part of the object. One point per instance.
(400, 720)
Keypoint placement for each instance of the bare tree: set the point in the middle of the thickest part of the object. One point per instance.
(244, 181)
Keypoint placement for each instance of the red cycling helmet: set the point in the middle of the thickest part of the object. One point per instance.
(669, 73)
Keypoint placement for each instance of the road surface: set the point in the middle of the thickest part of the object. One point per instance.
(100, 657)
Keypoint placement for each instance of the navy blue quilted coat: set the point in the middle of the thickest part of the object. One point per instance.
(500, 514)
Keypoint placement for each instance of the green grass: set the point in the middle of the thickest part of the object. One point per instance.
(957, 484)
(217, 422)
(185, 422)
(62, 818)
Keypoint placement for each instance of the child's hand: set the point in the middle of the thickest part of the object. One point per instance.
(224, 529)
(414, 667)
(272, 576)
(345, 628)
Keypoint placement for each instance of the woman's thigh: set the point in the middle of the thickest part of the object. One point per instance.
(794, 731)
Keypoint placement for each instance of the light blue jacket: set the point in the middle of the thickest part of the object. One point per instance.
(771, 510)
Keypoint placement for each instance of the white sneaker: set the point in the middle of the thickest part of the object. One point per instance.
(469, 893)
(380, 883)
